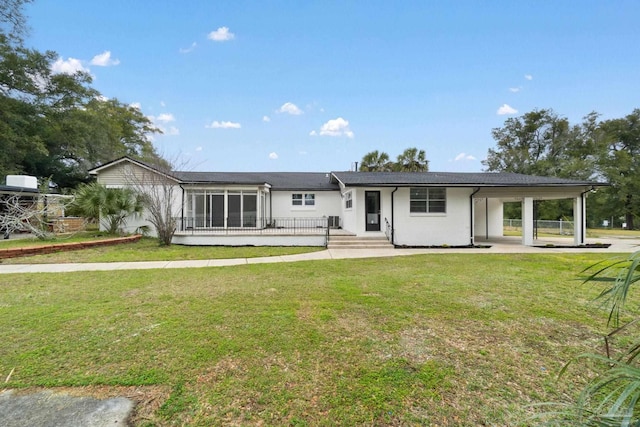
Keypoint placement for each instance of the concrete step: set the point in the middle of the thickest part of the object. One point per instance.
(354, 242)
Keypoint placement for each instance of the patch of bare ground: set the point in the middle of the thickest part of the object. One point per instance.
(147, 399)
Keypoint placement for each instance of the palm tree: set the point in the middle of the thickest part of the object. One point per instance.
(375, 162)
(110, 206)
(412, 160)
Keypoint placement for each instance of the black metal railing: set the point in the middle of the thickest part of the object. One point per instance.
(253, 225)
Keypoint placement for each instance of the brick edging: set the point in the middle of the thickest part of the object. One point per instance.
(64, 247)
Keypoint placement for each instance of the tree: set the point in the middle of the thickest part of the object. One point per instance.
(83, 138)
(56, 124)
(376, 162)
(532, 144)
(542, 143)
(159, 192)
(620, 166)
(110, 206)
(412, 160)
(12, 20)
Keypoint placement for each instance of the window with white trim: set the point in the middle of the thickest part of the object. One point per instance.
(428, 200)
(348, 200)
(300, 199)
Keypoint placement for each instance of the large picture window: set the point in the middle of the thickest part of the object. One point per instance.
(428, 200)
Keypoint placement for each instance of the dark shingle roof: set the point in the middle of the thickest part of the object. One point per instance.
(320, 181)
(454, 179)
(277, 180)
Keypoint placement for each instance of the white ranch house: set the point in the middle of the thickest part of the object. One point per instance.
(300, 208)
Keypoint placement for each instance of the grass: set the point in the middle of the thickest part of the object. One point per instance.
(440, 339)
(146, 249)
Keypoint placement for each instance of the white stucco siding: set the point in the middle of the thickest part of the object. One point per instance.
(488, 218)
(348, 218)
(355, 218)
(326, 203)
(452, 228)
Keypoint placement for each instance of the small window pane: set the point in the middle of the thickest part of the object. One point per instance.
(418, 206)
(309, 199)
(437, 193)
(437, 206)
(296, 199)
(419, 193)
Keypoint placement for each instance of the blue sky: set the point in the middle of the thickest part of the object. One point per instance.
(313, 86)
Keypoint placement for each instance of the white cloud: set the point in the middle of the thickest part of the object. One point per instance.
(70, 66)
(223, 125)
(188, 49)
(505, 110)
(273, 156)
(266, 118)
(165, 118)
(104, 59)
(528, 76)
(313, 133)
(463, 156)
(290, 108)
(222, 34)
(515, 89)
(136, 105)
(199, 148)
(162, 104)
(172, 131)
(335, 127)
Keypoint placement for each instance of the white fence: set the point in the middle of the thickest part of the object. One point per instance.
(563, 228)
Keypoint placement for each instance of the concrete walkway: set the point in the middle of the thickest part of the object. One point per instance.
(501, 246)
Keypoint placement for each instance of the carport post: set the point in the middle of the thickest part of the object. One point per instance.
(527, 221)
(579, 220)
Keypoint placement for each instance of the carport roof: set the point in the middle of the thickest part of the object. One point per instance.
(455, 179)
(10, 189)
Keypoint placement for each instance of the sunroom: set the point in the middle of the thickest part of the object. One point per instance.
(224, 208)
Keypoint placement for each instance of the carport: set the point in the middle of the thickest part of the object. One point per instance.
(488, 204)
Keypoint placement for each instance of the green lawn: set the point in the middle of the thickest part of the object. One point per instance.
(146, 249)
(440, 339)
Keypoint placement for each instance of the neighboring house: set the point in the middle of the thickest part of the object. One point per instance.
(299, 208)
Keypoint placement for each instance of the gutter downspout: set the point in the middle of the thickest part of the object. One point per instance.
(471, 231)
(182, 228)
(393, 228)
